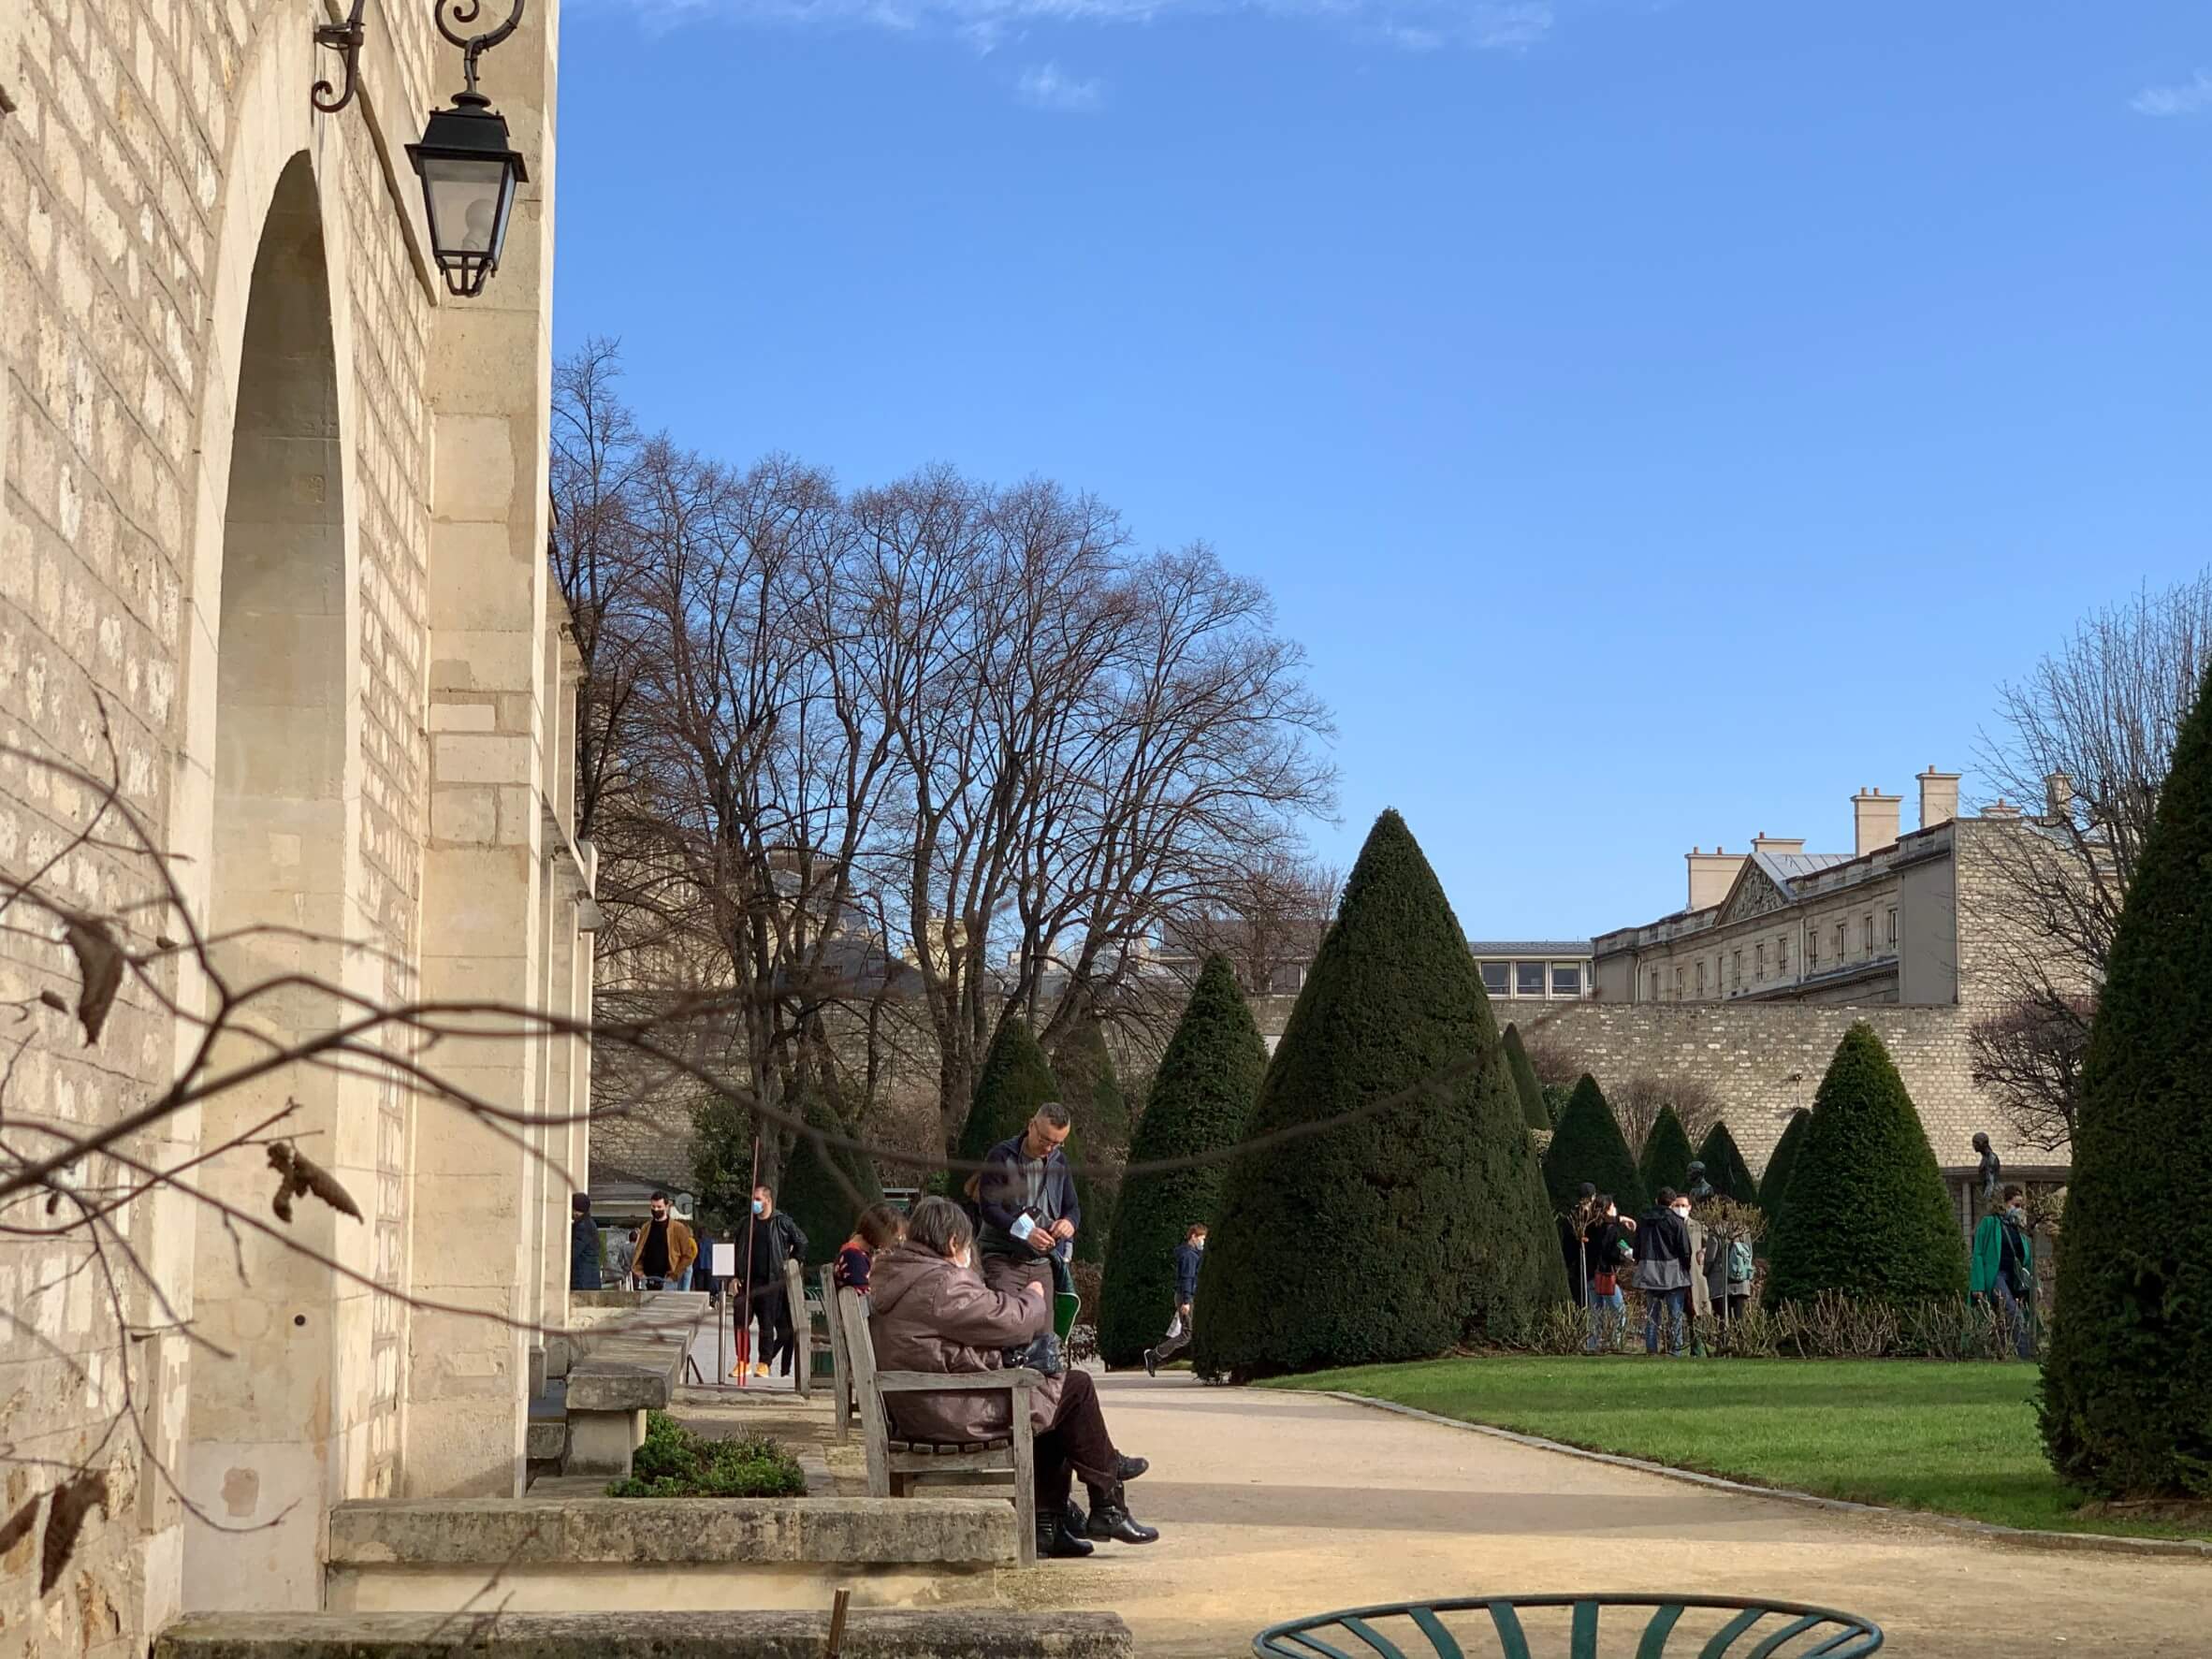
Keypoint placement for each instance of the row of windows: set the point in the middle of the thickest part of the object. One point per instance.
(1527, 978)
(1733, 962)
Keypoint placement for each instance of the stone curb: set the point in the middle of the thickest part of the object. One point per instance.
(2023, 1537)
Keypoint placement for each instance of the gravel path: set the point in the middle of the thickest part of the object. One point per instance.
(1274, 1505)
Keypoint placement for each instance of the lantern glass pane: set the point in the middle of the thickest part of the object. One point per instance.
(467, 199)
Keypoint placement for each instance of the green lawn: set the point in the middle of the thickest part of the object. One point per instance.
(1958, 1438)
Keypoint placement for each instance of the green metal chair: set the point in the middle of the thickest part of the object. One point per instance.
(1661, 1627)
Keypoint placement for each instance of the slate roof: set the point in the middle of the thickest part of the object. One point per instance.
(1528, 947)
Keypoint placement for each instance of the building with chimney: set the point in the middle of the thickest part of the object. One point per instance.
(1878, 924)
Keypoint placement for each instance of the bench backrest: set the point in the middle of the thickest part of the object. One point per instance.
(840, 1356)
(867, 1400)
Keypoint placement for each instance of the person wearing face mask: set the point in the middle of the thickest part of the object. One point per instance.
(2003, 1274)
(1189, 1255)
(759, 1295)
(933, 1312)
(1664, 1263)
(664, 1248)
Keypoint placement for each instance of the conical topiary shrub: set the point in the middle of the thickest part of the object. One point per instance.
(1775, 1184)
(1400, 1234)
(1015, 1081)
(1725, 1166)
(1867, 1215)
(2127, 1376)
(1099, 1141)
(1525, 1085)
(1665, 1160)
(825, 1189)
(1200, 1100)
(1589, 1146)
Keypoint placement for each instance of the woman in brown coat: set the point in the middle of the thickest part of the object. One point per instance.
(931, 1311)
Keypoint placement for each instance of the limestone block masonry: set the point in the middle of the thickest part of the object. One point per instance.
(272, 514)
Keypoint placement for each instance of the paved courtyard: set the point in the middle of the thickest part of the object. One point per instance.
(1274, 1505)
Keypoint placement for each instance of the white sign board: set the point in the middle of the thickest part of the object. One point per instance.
(724, 1265)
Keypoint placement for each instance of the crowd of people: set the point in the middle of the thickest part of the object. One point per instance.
(1685, 1269)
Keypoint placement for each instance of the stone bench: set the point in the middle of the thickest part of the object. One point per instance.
(600, 1554)
(627, 1357)
(869, 1635)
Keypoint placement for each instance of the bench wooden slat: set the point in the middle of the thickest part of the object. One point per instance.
(954, 1382)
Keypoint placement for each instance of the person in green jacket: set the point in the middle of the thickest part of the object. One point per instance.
(2003, 1272)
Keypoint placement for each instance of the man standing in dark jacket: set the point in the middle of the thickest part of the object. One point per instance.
(583, 1244)
(1026, 1195)
(1663, 1268)
(1189, 1255)
(758, 1295)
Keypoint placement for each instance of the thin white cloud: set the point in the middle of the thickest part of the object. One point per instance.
(1415, 25)
(1043, 86)
(2191, 97)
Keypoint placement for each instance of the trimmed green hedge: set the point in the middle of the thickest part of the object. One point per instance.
(1015, 1081)
(1666, 1161)
(1101, 1133)
(1868, 1216)
(1200, 1100)
(1589, 1146)
(1524, 1082)
(1775, 1184)
(1403, 1233)
(1725, 1166)
(2127, 1377)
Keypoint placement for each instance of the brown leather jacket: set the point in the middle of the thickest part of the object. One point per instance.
(927, 1314)
(683, 1249)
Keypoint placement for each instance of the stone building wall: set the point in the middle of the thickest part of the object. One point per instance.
(271, 515)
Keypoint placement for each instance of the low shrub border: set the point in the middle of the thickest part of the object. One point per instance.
(676, 1462)
(1830, 1327)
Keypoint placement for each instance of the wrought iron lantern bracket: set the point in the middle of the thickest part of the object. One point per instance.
(456, 16)
(345, 41)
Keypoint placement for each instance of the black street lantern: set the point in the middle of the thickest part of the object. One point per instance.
(469, 170)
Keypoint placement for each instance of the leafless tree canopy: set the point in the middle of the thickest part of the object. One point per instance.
(2081, 745)
(1556, 1064)
(1641, 1099)
(1268, 920)
(932, 752)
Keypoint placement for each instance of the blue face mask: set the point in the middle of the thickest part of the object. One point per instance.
(759, 1208)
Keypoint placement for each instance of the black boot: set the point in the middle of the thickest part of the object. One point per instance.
(1058, 1541)
(1077, 1519)
(1126, 1469)
(1111, 1520)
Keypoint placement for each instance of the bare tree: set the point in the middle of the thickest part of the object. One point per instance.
(2081, 748)
(1268, 920)
(1643, 1096)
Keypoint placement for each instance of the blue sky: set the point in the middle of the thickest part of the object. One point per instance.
(1656, 419)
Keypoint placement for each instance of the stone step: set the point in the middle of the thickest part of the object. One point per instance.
(957, 1634)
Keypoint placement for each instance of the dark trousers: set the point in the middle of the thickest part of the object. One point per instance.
(770, 1310)
(1076, 1444)
(1172, 1345)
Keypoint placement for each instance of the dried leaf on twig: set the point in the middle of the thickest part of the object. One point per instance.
(302, 1174)
(99, 964)
(18, 1526)
(55, 1000)
(65, 1519)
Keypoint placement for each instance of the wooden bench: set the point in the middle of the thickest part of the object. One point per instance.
(841, 1361)
(899, 1467)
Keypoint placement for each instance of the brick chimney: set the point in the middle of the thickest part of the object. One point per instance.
(1712, 874)
(2058, 795)
(1876, 816)
(1939, 797)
